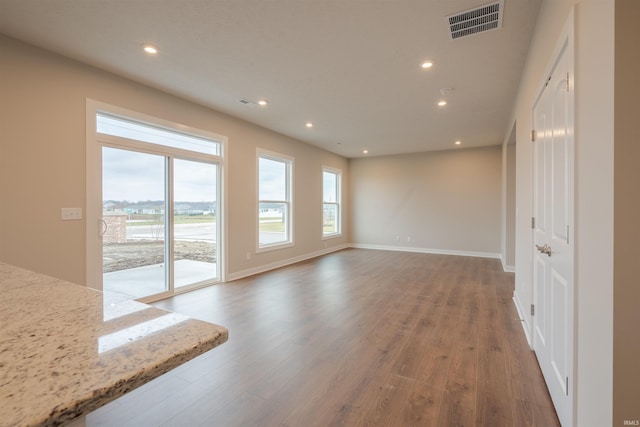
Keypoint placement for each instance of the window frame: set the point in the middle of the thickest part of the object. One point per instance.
(337, 203)
(289, 221)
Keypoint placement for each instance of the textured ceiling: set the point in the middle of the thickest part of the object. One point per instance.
(352, 67)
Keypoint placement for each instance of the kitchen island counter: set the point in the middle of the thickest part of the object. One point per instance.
(66, 350)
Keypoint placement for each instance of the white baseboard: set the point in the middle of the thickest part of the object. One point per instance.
(523, 322)
(507, 268)
(264, 268)
(426, 250)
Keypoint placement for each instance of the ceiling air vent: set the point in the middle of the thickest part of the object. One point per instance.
(477, 20)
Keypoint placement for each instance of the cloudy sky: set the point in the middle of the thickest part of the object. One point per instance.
(273, 181)
(329, 186)
(132, 176)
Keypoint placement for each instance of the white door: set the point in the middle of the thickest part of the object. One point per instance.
(553, 223)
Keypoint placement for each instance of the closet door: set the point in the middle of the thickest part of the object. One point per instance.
(553, 222)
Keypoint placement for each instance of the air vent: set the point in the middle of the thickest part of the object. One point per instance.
(477, 20)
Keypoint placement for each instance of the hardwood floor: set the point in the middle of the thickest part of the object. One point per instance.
(355, 338)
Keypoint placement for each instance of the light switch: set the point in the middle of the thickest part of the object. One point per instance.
(71, 214)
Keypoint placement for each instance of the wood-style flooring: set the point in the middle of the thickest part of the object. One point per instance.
(354, 338)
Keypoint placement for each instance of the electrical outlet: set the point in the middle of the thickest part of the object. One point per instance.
(70, 214)
(248, 256)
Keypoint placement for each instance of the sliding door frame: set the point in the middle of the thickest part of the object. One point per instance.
(94, 144)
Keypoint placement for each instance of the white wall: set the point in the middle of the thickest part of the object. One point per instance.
(446, 201)
(594, 46)
(42, 168)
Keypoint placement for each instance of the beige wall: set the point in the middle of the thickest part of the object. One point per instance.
(42, 169)
(626, 349)
(592, 386)
(447, 201)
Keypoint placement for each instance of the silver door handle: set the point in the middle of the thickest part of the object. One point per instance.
(103, 227)
(546, 249)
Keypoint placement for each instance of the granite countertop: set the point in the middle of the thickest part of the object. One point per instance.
(66, 349)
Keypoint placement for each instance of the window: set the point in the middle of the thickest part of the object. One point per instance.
(331, 215)
(133, 130)
(274, 200)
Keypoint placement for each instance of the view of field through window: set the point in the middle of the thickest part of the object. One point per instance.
(330, 202)
(274, 205)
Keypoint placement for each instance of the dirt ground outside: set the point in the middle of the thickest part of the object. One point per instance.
(138, 253)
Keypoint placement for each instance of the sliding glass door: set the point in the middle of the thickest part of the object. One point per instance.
(134, 220)
(160, 213)
(194, 222)
(158, 234)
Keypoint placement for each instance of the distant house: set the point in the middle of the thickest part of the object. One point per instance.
(109, 207)
(271, 213)
(187, 209)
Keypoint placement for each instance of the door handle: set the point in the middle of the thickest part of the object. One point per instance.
(103, 227)
(546, 249)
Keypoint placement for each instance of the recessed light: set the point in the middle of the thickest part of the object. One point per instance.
(309, 124)
(150, 49)
(442, 103)
(427, 64)
(262, 102)
(365, 151)
(458, 142)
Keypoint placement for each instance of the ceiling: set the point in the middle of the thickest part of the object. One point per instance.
(351, 67)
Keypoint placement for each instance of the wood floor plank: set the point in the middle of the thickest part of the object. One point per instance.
(354, 338)
(458, 401)
(393, 401)
(494, 402)
(458, 405)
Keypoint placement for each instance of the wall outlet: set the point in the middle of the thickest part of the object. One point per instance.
(248, 256)
(408, 238)
(69, 214)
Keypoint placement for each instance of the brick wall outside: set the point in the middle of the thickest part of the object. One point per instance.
(116, 227)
